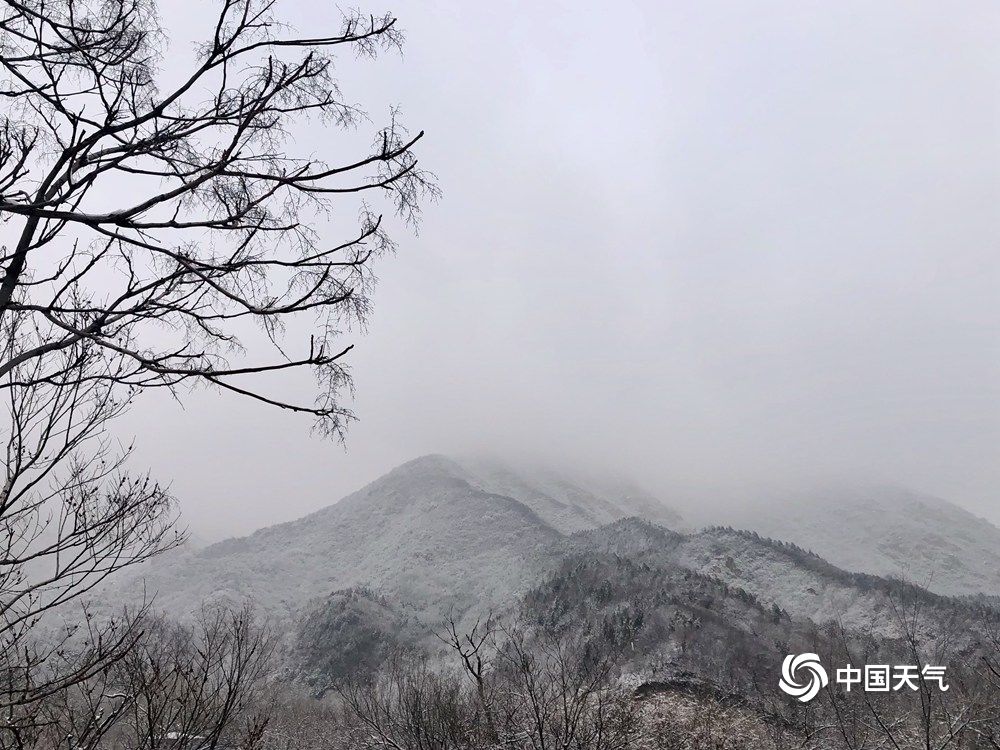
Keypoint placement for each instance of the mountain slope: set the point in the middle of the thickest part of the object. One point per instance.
(888, 532)
(348, 634)
(420, 534)
(436, 538)
(568, 505)
(666, 625)
(778, 574)
(434, 535)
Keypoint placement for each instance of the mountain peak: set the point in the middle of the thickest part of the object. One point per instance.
(429, 462)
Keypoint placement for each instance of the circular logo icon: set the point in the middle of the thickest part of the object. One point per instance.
(802, 676)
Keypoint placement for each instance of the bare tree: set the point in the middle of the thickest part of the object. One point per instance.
(212, 222)
(476, 651)
(198, 686)
(409, 705)
(149, 231)
(563, 694)
(523, 693)
(927, 714)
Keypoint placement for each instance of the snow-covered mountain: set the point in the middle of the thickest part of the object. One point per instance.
(566, 504)
(886, 531)
(433, 534)
(776, 574)
(438, 538)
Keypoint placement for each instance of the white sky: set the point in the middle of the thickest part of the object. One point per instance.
(707, 244)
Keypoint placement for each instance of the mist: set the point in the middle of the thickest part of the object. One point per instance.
(711, 246)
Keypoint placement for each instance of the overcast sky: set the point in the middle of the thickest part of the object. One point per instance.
(705, 244)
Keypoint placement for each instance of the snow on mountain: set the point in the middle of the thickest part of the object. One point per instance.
(436, 537)
(776, 573)
(566, 504)
(888, 532)
(421, 534)
(433, 533)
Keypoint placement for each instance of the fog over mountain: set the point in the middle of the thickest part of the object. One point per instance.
(705, 245)
(887, 531)
(434, 533)
(500, 376)
(439, 538)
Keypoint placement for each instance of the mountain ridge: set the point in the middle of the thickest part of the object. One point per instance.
(886, 531)
(431, 540)
(429, 514)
